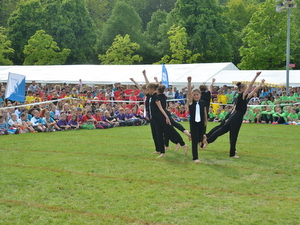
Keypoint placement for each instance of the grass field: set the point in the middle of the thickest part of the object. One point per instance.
(112, 177)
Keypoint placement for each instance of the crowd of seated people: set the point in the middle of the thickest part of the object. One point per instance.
(71, 107)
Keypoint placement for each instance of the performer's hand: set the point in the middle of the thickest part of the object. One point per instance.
(189, 79)
(144, 72)
(168, 121)
(213, 80)
(258, 73)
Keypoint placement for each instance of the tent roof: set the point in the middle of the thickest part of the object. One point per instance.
(224, 73)
(108, 74)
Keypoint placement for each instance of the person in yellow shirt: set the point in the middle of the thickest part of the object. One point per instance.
(215, 105)
(29, 97)
(223, 98)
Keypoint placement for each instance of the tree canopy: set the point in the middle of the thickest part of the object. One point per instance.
(43, 50)
(218, 30)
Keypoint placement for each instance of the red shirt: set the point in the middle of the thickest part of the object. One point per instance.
(127, 93)
(85, 118)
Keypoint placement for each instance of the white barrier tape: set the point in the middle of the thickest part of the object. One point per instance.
(36, 103)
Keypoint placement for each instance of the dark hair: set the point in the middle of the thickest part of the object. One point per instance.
(240, 85)
(161, 88)
(202, 87)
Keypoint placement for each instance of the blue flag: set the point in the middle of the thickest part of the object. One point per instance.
(164, 76)
(15, 87)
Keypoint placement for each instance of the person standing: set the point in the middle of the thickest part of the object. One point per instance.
(198, 118)
(234, 120)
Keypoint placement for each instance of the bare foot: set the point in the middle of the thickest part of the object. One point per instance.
(187, 133)
(156, 152)
(234, 156)
(205, 143)
(197, 161)
(161, 155)
(177, 147)
(185, 148)
(166, 148)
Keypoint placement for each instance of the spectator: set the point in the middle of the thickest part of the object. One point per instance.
(63, 123)
(33, 87)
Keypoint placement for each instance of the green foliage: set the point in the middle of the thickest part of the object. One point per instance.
(68, 22)
(265, 39)
(206, 26)
(239, 14)
(178, 43)
(121, 52)
(100, 11)
(123, 20)
(71, 27)
(6, 8)
(43, 50)
(146, 8)
(5, 48)
(111, 177)
(22, 24)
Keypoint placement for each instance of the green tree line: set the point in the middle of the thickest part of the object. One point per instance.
(249, 33)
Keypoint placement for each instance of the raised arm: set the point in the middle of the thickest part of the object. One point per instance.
(257, 88)
(136, 84)
(212, 85)
(189, 94)
(145, 76)
(250, 85)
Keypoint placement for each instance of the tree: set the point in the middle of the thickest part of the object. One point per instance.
(121, 52)
(206, 27)
(5, 48)
(123, 20)
(265, 39)
(43, 50)
(69, 23)
(22, 24)
(146, 8)
(178, 43)
(100, 11)
(239, 14)
(6, 8)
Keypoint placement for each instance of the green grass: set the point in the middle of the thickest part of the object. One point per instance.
(112, 177)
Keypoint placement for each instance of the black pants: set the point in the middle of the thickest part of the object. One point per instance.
(233, 125)
(172, 134)
(279, 120)
(160, 128)
(267, 118)
(153, 131)
(197, 132)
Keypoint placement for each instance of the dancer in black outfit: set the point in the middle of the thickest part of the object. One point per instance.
(198, 118)
(235, 118)
(159, 119)
(170, 133)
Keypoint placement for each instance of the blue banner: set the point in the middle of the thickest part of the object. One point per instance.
(15, 87)
(164, 76)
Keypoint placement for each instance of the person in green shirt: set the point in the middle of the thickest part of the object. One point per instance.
(284, 98)
(267, 114)
(229, 96)
(279, 117)
(248, 115)
(292, 98)
(211, 115)
(293, 117)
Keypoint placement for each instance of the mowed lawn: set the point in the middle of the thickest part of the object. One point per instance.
(112, 177)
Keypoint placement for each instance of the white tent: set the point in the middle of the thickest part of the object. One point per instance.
(225, 73)
(109, 74)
